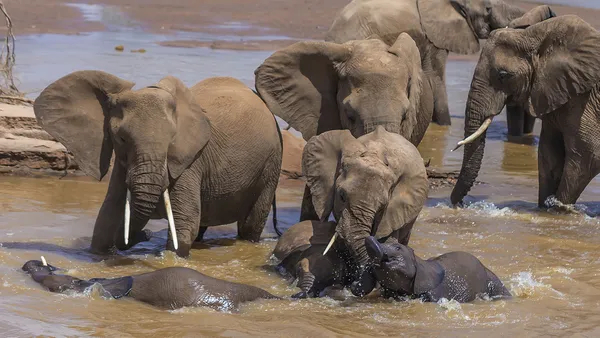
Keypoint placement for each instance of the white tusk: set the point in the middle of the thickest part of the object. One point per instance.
(476, 134)
(170, 218)
(330, 244)
(44, 261)
(127, 216)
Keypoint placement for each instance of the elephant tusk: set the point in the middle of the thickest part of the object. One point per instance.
(170, 218)
(486, 123)
(44, 263)
(330, 244)
(127, 216)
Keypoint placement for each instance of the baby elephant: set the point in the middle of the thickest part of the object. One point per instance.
(455, 275)
(299, 252)
(168, 288)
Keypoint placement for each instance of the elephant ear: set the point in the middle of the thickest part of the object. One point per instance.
(193, 127)
(535, 15)
(299, 84)
(320, 166)
(429, 275)
(411, 189)
(302, 236)
(446, 26)
(75, 110)
(566, 63)
(420, 112)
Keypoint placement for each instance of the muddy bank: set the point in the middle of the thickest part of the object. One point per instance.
(284, 21)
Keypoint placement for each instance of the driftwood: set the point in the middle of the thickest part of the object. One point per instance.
(8, 90)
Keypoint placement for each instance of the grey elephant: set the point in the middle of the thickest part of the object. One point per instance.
(358, 85)
(438, 27)
(212, 154)
(167, 288)
(299, 255)
(374, 184)
(554, 67)
(456, 275)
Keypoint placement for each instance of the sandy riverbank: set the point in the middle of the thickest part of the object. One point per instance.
(285, 20)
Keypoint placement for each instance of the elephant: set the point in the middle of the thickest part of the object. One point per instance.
(168, 288)
(212, 154)
(438, 27)
(299, 253)
(357, 85)
(557, 78)
(374, 185)
(456, 275)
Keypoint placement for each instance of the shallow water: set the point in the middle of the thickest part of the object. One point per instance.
(550, 262)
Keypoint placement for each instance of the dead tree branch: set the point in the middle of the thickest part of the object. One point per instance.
(8, 90)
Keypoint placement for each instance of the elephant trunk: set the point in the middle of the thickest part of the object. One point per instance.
(503, 14)
(483, 103)
(354, 235)
(147, 181)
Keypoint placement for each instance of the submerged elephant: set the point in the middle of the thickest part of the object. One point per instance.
(374, 184)
(438, 27)
(358, 85)
(168, 288)
(455, 275)
(553, 67)
(299, 253)
(212, 154)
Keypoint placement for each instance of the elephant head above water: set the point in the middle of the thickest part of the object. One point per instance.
(553, 68)
(373, 185)
(92, 113)
(358, 85)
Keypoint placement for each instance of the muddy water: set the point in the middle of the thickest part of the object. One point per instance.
(549, 262)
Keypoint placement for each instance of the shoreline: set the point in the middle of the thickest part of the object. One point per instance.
(285, 23)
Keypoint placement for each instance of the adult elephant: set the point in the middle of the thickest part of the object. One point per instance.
(438, 27)
(212, 154)
(358, 85)
(554, 68)
(373, 185)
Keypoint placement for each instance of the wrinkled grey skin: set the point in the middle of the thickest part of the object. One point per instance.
(168, 288)
(216, 148)
(358, 85)
(455, 275)
(300, 253)
(438, 27)
(554, 67)
(374, 184)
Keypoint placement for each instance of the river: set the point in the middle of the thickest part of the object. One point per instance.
(549, 261)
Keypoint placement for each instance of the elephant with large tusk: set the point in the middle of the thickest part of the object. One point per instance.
(553, 67)
(199, 157)
(374, 185)
(438, 27)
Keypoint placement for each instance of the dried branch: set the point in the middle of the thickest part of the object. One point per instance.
(8, 90)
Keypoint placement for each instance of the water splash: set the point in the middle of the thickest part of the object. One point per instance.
(524, 285)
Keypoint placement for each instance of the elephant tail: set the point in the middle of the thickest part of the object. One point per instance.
(277, 231)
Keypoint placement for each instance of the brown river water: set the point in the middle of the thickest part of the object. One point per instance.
(550, 262)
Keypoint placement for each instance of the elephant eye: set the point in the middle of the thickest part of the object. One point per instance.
(504, 75)
(343, 196)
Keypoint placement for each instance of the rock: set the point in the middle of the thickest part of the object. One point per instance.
(141, 50)
(120, 48)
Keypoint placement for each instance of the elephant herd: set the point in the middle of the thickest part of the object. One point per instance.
(363, 99)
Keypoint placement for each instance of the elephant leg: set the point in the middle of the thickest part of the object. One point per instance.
(575, 177)
(111, 214)
(551, 161)
(306, 280)
(441, 112)
(186, 204)
(251, 227)
(519, 122)
(307, 210)
(201, 233)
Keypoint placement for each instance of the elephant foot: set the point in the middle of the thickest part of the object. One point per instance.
(552, 203)
(183, 249)
(300, 295)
